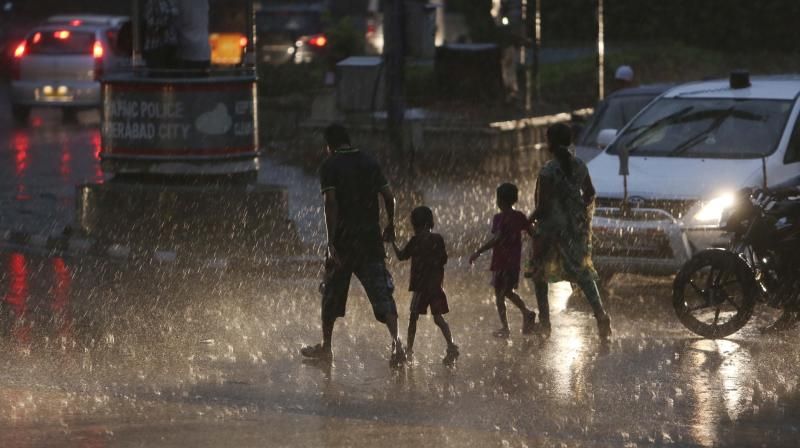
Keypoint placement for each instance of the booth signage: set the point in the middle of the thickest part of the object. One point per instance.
(181, 119)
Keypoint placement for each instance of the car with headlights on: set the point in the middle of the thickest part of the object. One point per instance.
(687, 152)
(60, 63)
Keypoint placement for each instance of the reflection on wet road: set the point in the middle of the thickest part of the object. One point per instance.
(40, 166)
(93, 352)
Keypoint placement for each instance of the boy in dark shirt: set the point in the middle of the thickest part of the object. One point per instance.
(506, 245)
(428, 257)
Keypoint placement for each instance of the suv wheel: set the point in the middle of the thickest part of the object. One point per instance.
(20, 114)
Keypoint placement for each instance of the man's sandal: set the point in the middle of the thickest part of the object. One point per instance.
(317, 352)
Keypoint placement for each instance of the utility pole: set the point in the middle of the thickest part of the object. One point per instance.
(525, 64)
(601, 51)
(526, 24)
(394, 57)
(537, 44)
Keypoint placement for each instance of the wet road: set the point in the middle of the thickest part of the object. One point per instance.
(40, 166)
(96, 352)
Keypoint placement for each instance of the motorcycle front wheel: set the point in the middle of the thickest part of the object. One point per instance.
(714, 293)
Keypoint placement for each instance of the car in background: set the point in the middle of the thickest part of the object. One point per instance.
(60, 63)
(290, 32)
(687, 153)
(294, 32)
(614, 112)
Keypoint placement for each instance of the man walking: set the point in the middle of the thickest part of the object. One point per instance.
(351, 182)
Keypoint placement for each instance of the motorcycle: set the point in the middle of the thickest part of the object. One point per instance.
(716, 291)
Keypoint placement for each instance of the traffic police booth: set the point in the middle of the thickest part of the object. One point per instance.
(180, 148)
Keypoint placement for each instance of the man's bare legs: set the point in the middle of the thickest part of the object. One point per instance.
(398, 356)
(325, 350)
(412, 332)
(327, 334)
(391, 324)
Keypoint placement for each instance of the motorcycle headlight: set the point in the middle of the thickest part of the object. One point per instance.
(711, 211)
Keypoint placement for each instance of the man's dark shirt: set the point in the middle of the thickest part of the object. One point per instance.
(357, 179)
(428, 257)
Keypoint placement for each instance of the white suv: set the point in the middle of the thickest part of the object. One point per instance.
(59, 64)
(688, 151)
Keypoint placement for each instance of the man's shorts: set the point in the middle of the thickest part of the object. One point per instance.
(505, 280)
(436, 300)
(375, 279)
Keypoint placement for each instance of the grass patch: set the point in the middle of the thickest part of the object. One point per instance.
(289, 79)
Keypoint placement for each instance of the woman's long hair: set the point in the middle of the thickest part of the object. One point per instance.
(559, 139)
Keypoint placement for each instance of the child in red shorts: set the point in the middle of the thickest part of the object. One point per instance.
(506, 245)
(428, 257)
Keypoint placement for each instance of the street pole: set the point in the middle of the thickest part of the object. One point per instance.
(523, 56)
(394, 58)
(533, 70)
(601, 51)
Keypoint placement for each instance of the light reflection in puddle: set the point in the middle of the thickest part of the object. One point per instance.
(568, 351)
(20, 145)
(20, 310)
(718, 372)
(17, 297)
(568, 361)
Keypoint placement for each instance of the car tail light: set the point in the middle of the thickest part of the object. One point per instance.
(242, 41)
(63, 34)
(318, 41)
(19, 53)
(97, 53)
(97, 50)
(76, 23)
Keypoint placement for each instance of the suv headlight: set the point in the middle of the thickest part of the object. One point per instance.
(711, 211)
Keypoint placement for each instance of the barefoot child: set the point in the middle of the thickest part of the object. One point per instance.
(506, 245)
(428, 257)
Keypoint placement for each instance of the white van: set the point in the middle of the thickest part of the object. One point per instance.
(688, 151)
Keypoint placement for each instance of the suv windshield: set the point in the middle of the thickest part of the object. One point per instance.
(706, 128)
(61, 42)
(613, 113)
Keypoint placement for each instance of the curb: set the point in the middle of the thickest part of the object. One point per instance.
(59, 244)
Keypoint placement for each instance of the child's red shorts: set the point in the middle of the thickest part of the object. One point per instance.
(436, 300)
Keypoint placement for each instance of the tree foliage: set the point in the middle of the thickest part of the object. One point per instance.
(715, 24)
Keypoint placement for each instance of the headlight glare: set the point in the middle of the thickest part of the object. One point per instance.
(711, 212)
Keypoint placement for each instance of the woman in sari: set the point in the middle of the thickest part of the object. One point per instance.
(562, 249)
